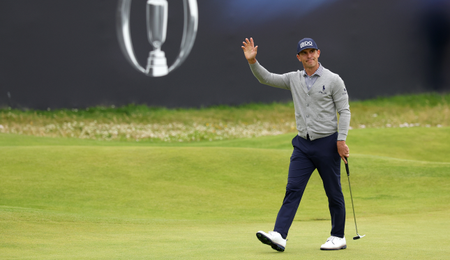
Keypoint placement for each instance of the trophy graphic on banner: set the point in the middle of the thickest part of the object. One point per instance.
(157, 11)
(157, 15)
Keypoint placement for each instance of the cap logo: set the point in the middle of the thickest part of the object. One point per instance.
(306, 43)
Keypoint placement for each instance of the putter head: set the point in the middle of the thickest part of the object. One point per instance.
(358, 237)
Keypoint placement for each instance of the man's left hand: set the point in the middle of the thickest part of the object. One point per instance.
(343, 150)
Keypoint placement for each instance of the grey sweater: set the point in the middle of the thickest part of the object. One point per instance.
(315, 110)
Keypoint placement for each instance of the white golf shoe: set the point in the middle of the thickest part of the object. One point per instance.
(272, 239)
(334, 243)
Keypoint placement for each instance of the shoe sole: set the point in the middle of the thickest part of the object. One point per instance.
(344, 247)
(267, 241)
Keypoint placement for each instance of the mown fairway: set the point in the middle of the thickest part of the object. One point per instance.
(81, 199)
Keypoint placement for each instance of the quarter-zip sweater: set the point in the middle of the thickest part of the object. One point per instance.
(315, 109)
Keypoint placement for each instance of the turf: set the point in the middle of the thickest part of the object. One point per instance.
(81, 199)
(140, 123)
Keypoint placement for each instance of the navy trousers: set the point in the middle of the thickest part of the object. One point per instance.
(320, 154)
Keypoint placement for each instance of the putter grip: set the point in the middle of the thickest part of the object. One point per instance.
(346, 167)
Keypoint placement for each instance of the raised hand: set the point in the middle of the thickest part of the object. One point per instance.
(250, 50)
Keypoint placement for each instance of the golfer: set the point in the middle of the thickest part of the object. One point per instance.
(320, 144)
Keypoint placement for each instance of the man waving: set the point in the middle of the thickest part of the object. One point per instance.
(318, 96)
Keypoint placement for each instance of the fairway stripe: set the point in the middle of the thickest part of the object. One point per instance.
(399, 159)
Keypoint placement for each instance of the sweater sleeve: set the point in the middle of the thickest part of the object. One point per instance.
(340, 97)
(267, 78)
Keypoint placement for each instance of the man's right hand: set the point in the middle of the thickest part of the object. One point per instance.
(250, 50)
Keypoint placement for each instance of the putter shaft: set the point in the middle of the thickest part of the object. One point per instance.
(353, 206)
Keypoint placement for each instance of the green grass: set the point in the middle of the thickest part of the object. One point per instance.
(67, 198)
(73, 198)
(133, 123)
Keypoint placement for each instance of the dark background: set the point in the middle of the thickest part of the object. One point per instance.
(65, 54)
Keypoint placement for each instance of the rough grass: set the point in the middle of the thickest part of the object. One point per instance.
(142, 123)
(423, 110)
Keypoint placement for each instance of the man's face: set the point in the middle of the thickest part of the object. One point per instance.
(309, 58)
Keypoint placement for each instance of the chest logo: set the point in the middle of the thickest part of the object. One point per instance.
(323, 90)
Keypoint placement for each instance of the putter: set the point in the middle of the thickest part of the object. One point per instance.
(358, 236)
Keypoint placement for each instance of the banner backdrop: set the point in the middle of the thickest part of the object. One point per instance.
(73, 54)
